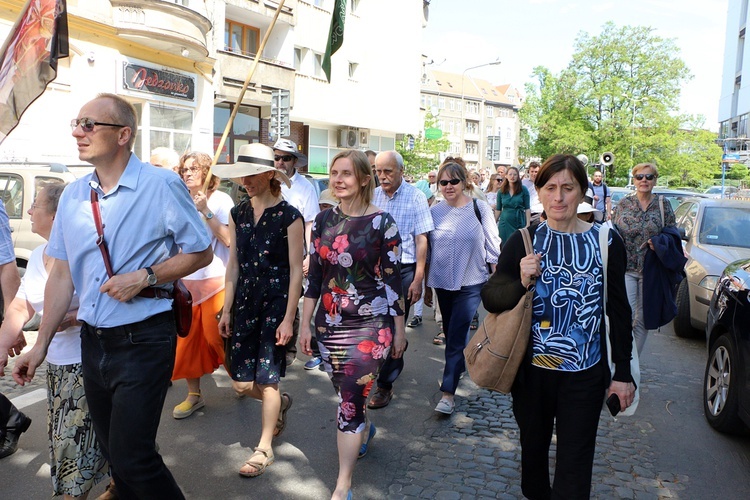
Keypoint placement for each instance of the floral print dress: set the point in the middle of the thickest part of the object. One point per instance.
(355, 271)
(262, 292)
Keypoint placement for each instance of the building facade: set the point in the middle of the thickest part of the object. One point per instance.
(204, 50)
(479, 119)
(734, 104)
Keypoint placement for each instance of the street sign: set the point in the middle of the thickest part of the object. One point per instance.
(280, 113)
(731, 158)
(433, 133)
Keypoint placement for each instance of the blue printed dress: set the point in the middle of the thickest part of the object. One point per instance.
(262, 292)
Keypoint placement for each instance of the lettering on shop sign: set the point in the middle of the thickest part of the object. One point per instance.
(157, 81)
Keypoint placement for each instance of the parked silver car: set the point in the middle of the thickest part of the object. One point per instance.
(716, 233)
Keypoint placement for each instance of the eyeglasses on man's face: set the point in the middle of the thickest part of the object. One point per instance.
(648, 177)
(285, 158)
(88, 124)
(452, 182)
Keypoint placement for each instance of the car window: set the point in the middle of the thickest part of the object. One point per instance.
(11, 187)
(726, 226)
(685, 217)
(40, 182)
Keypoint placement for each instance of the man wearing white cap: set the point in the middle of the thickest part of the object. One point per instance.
(302, 196)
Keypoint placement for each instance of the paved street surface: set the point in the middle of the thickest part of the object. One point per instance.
(666, 451)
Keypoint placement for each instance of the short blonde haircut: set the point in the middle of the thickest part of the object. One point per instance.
(641, 166)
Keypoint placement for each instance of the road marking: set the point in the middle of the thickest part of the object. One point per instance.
(29, 399)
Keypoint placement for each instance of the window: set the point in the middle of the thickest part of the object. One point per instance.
(353, 69)
(424, 100)
(353, 6)
(452, 104)
(490, 111)
(455, 148)
(318, 65)
(472, 127)
(441, 102)
(297, 58)
(507, 153)
(241, 38)
(508, 133)
(742, 129)
(163, 126)
(488, 130)
(471, 148)
(11, 188)
(245, 129)
(472, 107)
(451, 126)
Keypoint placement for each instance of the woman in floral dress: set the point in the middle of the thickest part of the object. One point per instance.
(262, 289)
(354, 268)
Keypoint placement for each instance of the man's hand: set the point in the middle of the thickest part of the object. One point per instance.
(399, 345)
(428, 297)
(27, 363)
(124, 287)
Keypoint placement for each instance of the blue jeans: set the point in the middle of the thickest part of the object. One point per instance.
(458, 308)
(126, 373)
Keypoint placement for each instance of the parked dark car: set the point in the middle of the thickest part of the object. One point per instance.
(716, 233)
(726, 386)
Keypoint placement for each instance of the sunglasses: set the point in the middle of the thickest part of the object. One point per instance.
(87, 124)
(649, 177)
(283, 158)
(452, 182)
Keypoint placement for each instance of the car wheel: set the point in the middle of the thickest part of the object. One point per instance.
(721, 387)
(682, 326)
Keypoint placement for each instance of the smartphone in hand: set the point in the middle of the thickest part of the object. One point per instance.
(613, 403)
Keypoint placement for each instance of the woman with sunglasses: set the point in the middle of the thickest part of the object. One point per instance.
(639, 217)
(463, 242)
(492, 190)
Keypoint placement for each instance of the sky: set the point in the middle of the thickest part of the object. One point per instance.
(524, 34)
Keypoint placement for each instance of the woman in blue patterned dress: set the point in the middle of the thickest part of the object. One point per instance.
(565, 376)
(262, 289)
(354, 270)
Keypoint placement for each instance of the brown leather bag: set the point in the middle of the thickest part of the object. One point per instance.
(496, 351)
(182, 300)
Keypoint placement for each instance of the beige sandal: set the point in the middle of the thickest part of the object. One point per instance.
(258, 466)
(281, 422)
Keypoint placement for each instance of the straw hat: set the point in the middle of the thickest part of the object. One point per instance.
(289, 146)
(253, 159)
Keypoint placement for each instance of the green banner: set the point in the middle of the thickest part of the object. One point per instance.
(335, 35)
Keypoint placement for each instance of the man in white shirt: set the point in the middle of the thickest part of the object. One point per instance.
(303, 197)
(535, 204)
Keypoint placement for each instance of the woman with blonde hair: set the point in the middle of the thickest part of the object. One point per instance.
(202, 351)
(354, 270)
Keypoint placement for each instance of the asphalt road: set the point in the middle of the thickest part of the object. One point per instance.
(666, 451)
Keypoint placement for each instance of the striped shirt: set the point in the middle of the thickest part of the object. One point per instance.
(409, 209)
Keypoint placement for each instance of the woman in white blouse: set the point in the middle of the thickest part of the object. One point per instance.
(463, 243)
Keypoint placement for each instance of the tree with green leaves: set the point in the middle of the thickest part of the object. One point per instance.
(619, 94)
(425, 155)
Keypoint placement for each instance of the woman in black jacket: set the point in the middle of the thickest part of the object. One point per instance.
(565, 376)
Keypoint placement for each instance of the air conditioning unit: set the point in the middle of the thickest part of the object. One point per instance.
(348, 138)
(364, 137)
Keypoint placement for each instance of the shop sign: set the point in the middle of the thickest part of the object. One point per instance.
(158, 81)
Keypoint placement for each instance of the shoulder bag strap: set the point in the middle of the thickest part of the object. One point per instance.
(100, 231)
(661, 209)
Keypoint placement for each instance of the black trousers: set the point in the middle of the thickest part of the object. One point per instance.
(572, 403)
(392, 367)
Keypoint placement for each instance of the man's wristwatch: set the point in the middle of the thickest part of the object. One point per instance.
(209, 215)
(151, 278)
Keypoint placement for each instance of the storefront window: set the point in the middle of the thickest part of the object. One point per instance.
(164, 126)
(245, 129)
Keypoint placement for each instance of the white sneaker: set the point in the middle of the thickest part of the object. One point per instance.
(445, 406)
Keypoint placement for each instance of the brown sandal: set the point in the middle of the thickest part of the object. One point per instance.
(281, 422)
(258, 466)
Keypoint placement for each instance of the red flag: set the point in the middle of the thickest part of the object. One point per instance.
(28, 60)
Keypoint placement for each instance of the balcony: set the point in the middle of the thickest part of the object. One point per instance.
(234, 67)
(176, 27)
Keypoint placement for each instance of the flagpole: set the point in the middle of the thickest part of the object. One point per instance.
(217, 155)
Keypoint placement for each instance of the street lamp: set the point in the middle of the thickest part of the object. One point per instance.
(463, 105)
(632, 123)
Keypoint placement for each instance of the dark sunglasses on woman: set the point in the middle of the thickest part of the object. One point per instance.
(649, 177)
(452, 182)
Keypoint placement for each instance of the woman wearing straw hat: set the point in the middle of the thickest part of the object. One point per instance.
(202, 351)
(262, 288)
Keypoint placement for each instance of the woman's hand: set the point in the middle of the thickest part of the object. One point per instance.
(399, 344)
(305, 337)
(224, 329)
(284, 332)
(428, 296)
(201, 201)
(531, 268)
(625, 391)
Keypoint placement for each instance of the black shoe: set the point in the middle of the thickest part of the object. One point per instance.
(10, 443)
(415, 321)
(291, 357)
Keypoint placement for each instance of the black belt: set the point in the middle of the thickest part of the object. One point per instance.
(154, 293)
(414, 264)
(153, 320)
